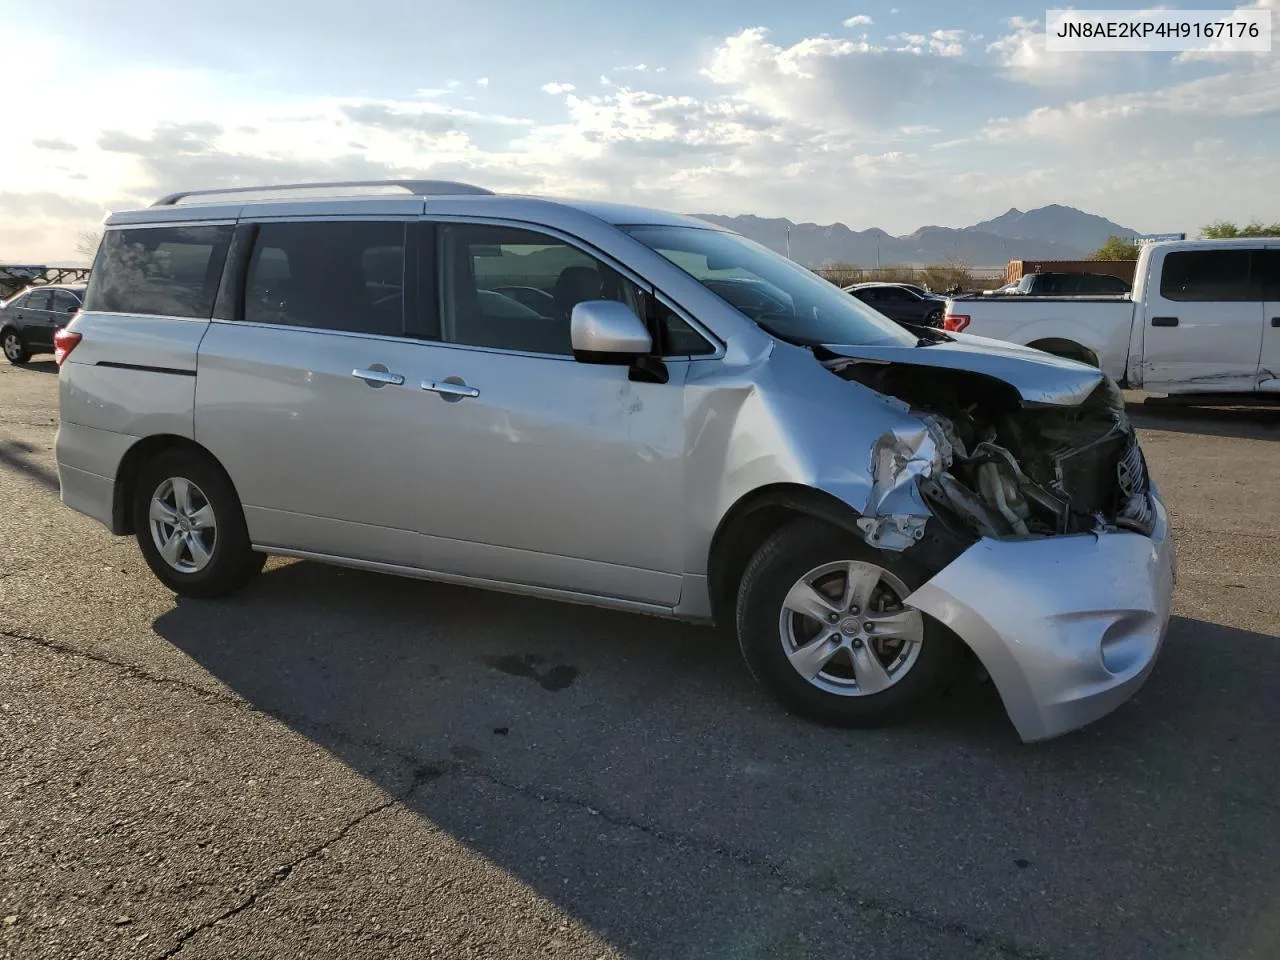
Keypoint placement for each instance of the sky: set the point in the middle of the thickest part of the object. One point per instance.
(872, 114)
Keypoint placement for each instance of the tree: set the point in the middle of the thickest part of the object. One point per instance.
(1116, 248)
(1224, 230)
(87, 243)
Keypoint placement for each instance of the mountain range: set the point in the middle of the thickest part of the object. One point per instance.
(1054, 232)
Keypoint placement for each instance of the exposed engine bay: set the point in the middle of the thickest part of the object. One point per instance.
(1002, 468)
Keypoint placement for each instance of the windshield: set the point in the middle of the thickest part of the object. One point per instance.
(781, 296)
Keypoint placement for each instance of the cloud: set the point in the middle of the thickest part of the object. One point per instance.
(45, 203)
(555, 89)
(428, 118)
(482, 82)
(1215, 51)
(1226, 96)
(1022, 56)
(168, 139)
(947, 43)
(54, 143)
(861, 20)
(849, 84)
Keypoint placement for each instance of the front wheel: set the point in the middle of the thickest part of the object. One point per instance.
(822, 624)
(190, 527)
(15, 351)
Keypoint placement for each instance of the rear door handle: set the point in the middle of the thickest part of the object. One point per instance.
(451, 390)
(1164, 321)
(1275, 321)
(377, 378)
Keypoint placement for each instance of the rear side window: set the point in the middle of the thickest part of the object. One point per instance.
(1207, 275)
(333, 275)
(35, 300)
(162, 271)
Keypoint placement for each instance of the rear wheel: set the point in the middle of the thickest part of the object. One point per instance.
(934, 319)
(15, 351)
(190, 527)
(822, 624)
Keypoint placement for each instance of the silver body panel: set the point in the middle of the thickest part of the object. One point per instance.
(543, 475)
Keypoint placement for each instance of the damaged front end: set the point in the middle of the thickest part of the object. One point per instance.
(988, 463)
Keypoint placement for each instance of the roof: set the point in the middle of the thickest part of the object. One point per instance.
(73, 287)
(381, 197)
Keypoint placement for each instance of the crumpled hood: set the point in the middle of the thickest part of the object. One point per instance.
(1039, 378)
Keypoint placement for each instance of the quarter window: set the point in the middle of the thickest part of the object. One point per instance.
(163, 271)
(1207, 275)
(332, 275)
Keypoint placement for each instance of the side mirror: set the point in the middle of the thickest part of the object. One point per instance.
(606, 331)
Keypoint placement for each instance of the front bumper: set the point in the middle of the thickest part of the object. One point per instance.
(1067, 627)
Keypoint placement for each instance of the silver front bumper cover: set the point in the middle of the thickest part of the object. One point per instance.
(1067, 627)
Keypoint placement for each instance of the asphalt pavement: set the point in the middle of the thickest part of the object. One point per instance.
(339, 764)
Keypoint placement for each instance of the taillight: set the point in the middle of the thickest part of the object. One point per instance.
(64, 341)
(955, 322)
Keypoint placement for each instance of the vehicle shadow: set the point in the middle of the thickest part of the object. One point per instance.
(15, 456)
(1243, 422)
(38, 366)
(630, 771)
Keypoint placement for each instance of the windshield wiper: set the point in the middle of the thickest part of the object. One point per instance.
(927, 336)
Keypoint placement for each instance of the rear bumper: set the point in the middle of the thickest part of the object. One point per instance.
(1067, 627)
(88, 461)
(87, 492)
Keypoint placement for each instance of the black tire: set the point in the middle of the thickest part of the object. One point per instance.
(934, 319)
(232, 562)
(784, 559)
(14, 348)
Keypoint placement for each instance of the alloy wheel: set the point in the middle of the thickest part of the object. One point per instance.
(183, 526)
(845, 629)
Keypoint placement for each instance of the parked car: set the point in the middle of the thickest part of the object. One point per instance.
(29, 320)
(898, 301)
(1203, 318)
(1064, 284)
(354, 379)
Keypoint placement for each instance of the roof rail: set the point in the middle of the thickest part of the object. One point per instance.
(421, 188)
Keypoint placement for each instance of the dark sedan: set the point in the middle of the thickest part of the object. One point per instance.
(901, 302)
(29, 320)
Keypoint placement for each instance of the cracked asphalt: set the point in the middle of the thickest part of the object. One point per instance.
(338, 764)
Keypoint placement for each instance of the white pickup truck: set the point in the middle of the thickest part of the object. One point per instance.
(1204, 317)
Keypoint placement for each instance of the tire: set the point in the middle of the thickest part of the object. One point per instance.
(917, 664)
(934, 319)
(207, 561)
(15, 351)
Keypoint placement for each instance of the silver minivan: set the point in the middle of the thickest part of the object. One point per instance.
(617, 406)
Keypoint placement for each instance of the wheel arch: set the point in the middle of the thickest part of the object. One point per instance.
(145, 450)
(1064, 347)
(754, 518)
